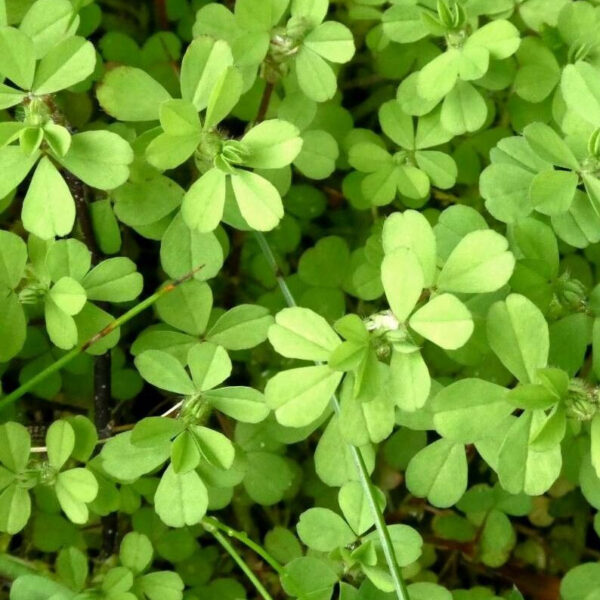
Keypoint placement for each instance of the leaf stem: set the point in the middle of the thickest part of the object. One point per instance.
(12, 567)
(357, 458)
(211, 523)
(112, 326)
(240, 562)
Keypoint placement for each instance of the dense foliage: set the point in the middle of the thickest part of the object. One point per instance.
(299, 298)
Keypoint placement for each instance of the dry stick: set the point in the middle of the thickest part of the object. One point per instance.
(359, 463)
(112, 326)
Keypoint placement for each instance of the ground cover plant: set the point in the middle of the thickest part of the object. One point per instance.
(299, 299)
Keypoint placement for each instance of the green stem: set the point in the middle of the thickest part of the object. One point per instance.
(240, 562)
(12, 567)
(210, 524)
(357, 458)
(69, 356)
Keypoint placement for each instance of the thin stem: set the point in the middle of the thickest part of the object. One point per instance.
(240, 562)
(357, 458)
(12, 567)
(211, 523)
(112, 326)
(264, 102)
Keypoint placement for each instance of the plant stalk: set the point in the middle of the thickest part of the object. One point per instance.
(211, 524)
(260, 588)
(112, 326)
(357, 458)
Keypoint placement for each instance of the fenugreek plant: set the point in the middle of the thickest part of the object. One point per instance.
(299, 299)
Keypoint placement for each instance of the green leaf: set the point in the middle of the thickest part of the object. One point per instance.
(136, 552)
(470, 409)
(315, 77)
(61, 327)
(14, 166)
(445, 321)
(180, 499)
(162, 585)
(13, 257)
(66, 64)
(242, 327)
(355, 506)
(552, 192)
(15, 509)
(411, 229)
(438, 166)
(216, 448)
(60, 442)
(302, 333)
(184, 250)
(403, 24)
(397, 125)
(68, 295)
(402, 278)
(99, 158)
(75, 488)
(72, 567)
(518, 333)
(203, 204)
(15, 444)
(224, 96)
(439, 473)
(155, 431)
(520, 467)
(464, 109)
(202, 67)
(209, 365)
(48, 208)
(332, 41)
(130, 94)
(113, 280)
(17, 61)
(308, 577)
(185, 453)
(271, 144)
(13, 326)
(9, 96)
(581, 582)
(165, 372)
(318, 156)
(47, 22)
(410, 380)
(438, 76)
(187, 307)
(240, 403)
(501, 38)
(548, 145)
(126, 461)
(323, 530)
(581, 91)
(300, 396)
(480, 263)
(258, 200)
(326, 263)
